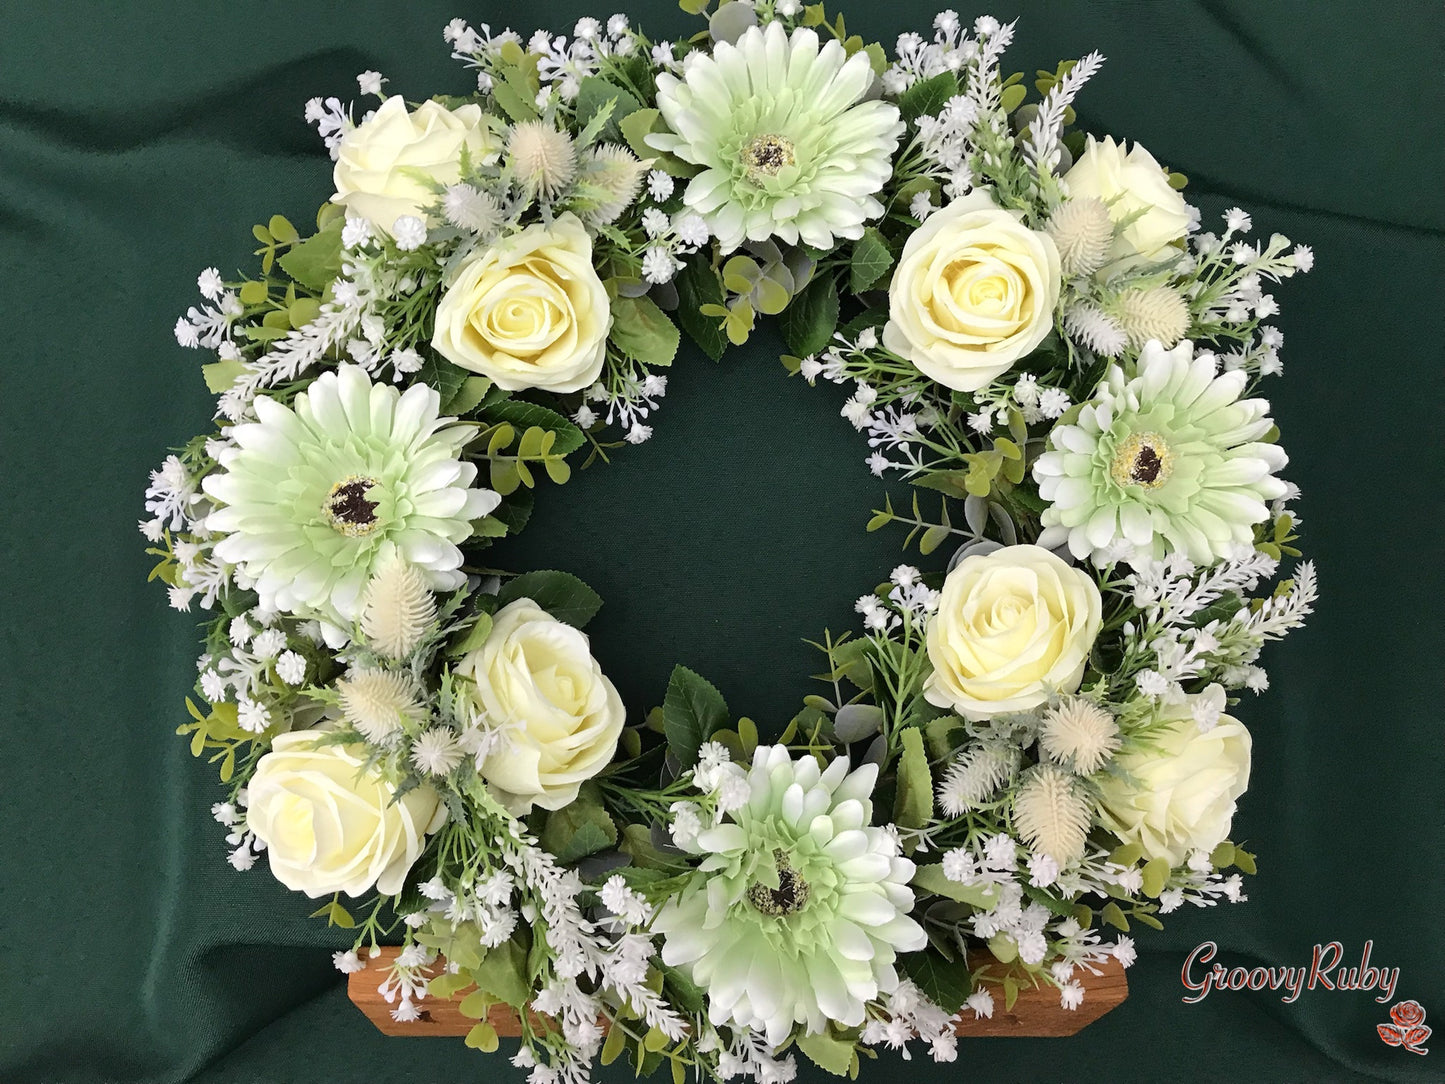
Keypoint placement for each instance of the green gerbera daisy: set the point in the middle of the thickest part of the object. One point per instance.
(313, 496)
(799, 908)
(1169, 461)
(788, 147)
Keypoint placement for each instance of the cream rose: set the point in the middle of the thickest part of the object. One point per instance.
(528, 311)
(383, 164)
(1012, 626)
(331, 825)
(534, 679)
(973, 292)
(1179, 797)
(1131, 184)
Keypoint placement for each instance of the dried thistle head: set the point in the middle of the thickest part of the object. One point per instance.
(1053, 815)
(614, 176)
(1083, 233)
(399, 609)
(543, 158)
(378, 703)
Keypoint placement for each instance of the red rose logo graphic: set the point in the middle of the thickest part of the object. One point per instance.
(1408, 1030)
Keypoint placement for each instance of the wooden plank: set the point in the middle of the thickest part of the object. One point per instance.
(1036, 1012)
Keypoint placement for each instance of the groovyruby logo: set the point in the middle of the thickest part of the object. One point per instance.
(1406, 1028)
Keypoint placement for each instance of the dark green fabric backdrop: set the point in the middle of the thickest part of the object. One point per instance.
(139, 142)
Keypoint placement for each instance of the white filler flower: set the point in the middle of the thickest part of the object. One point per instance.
(317, 494)
(788, 147)
(798, 911)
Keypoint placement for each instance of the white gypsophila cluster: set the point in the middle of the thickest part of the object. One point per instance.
(485, 901)
(912, 1016)
(669, 238)
(332, 121)
(910, 593)
(406, 982)
(626, 397)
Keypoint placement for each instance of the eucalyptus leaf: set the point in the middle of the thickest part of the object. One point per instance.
(854, 722)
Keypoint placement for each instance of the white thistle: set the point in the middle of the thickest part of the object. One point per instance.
(1080, 734)
(616, 175)
(1157, 312)
(399, 610)
(378, 703)
(436, 751)
(1096, 330)
(469, 208)
(544, 159)
(1083, 233)
(975, 776)
(1052, 815)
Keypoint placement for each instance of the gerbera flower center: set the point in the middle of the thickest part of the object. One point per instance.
(767, 156)
(1143, 460)
(788, 898)
(348, 510)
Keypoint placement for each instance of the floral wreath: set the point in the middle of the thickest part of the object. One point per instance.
(1014, 755)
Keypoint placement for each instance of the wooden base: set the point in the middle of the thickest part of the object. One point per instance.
(1036, 1012)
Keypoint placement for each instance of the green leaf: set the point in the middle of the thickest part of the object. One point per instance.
(577, 830)
(502, 974)
(613, 1045)
(913, 805)
(1156, 874)
(316, 262)
(871, 261)
(931, 879)
(1013, 97)
(483, 1037)
(561, 594)
(939, 735)
(828, 1052)
(594, 94)
(643, 332)
(1005, 950)
(691, 711)
(698, 285)
(946, 983)
(523, 415)
(442, 375)
(927, 96)
(476, 636)
(636, 127)
(254, 293)
(809, 322)
(220, 375)
(468, 397)
(1114, 916)
(518, 107)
